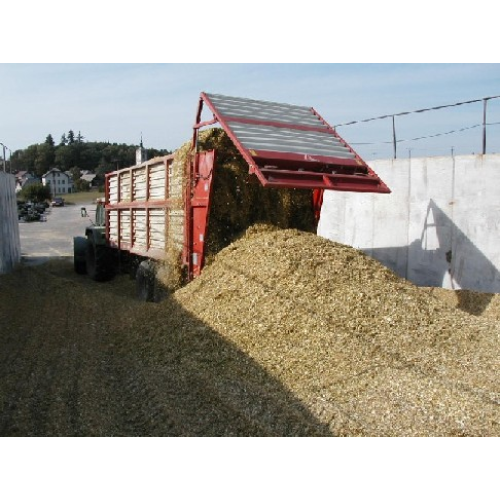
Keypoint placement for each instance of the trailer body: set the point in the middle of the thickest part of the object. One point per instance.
(146, 212)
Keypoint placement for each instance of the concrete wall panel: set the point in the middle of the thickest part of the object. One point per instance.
(438, 227)
(10, 244)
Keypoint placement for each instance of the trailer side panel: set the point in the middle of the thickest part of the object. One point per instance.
(144, 208)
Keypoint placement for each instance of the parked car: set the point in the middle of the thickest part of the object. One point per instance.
(58, 202)
(29, 212)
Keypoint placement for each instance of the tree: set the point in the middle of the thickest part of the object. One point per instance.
(75, 173)
(16, 160)
(45, 158)
(102, 170)
(37, 193)
(90, 155)
(81, 185)
(25, 159)
(65, 157)
(75, 152)
(50, 140)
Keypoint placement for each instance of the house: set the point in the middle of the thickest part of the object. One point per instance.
(23, 179)
(59, 182)
(90, 178)
(21, 174)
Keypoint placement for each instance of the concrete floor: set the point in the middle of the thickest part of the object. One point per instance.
(41, 241)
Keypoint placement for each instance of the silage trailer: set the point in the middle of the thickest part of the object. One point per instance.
(161, 206)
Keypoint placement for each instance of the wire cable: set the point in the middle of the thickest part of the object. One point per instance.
(423, 110)
(423, 137)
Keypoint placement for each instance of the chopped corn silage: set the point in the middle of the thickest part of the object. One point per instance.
(484, 304)
(81, 358)
(238, 201)
(367, 352)
(284, 334)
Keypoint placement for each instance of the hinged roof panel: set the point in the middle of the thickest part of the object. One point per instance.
(291, 146)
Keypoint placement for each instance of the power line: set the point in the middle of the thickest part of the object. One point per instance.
(395, 141)
(434, 108)
(425, 136)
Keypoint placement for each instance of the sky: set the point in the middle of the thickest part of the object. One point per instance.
(119, 102)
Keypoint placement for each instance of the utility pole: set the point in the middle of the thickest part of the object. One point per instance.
(394, 135)
(484, 125)
(4, 162)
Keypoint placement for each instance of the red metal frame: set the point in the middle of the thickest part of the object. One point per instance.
(291, 170)
(197, 203)
(272, 169)
(317, 199)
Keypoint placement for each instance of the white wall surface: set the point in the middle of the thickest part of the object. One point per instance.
(10, 244)
(440, 225)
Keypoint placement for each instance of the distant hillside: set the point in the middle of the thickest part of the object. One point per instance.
(73, 151)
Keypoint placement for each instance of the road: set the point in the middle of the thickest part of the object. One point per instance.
(41, 241)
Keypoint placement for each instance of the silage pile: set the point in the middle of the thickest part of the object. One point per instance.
(366, 352)
(484, 304)
(284, 334)
(81, 358)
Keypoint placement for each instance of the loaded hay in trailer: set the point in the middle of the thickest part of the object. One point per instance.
(238, 202)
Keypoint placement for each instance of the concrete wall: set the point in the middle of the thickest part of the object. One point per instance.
(439, 226)
(10, 244)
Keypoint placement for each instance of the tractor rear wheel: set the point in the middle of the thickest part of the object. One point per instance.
(79, 254)
(98, 261)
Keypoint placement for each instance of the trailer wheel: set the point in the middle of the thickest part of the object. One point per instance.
(98, 261)
(132, 265)
(145, 280)
(79, 255)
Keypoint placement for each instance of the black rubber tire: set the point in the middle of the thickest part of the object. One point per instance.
(145, 280)
(98, 261)
(79, 255)
(132, 266)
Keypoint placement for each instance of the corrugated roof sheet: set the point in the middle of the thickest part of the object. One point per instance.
(291, 146)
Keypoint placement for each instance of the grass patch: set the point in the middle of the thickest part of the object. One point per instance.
(82, 197)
